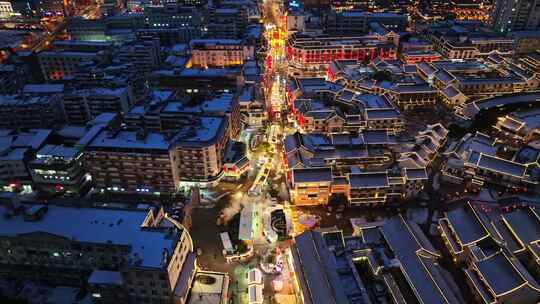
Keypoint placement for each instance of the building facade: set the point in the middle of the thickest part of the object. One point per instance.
(198, 152)
(220, 52)
(310, 51)
(131, 162)
(507, 16)
(125, 251)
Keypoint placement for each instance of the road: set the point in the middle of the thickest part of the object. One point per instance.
(264, 180)
(53, 29)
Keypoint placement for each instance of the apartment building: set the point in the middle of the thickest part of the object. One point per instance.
(515, 16)
(130, 161)
(172, 16)
(125, 256)
(58, 168)
(350, 22)
(296, 22)
(144, 54)
(50, 8)
(174, 115)
(199, 81)
(226, 22)
(76, 107)
(11, 79)
(220, 52)
(111, 77)
(252, 110)
(198, 151)
(83, 105)
(108, 100)
(17, 149)
(525, 42)
(57, 64)
(27, 112)
(119, 27)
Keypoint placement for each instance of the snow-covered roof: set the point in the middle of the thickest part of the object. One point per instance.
(98, 226)
(209, 288)
(43, 88)
(210, 129)
(129, 140)
(105, 277)
(57, 151)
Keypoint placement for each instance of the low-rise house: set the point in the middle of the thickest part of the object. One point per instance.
(487, 244)
(324, 269)
(398, 252)
(522, 126)
(475, 159)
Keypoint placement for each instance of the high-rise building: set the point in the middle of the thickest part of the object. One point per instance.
(515, 15)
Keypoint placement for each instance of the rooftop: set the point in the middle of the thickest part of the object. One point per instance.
(33, 138)
(500, 165)
(209, 129)
(209, 288)
(43, 88)
(57, 151)
(499, 273)
(417, 260)
(525, 223)
(317, 270)
(369, 180)
(220, 104)
(466, 224)
(98, 226)
(312, 175)
(129, 140)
